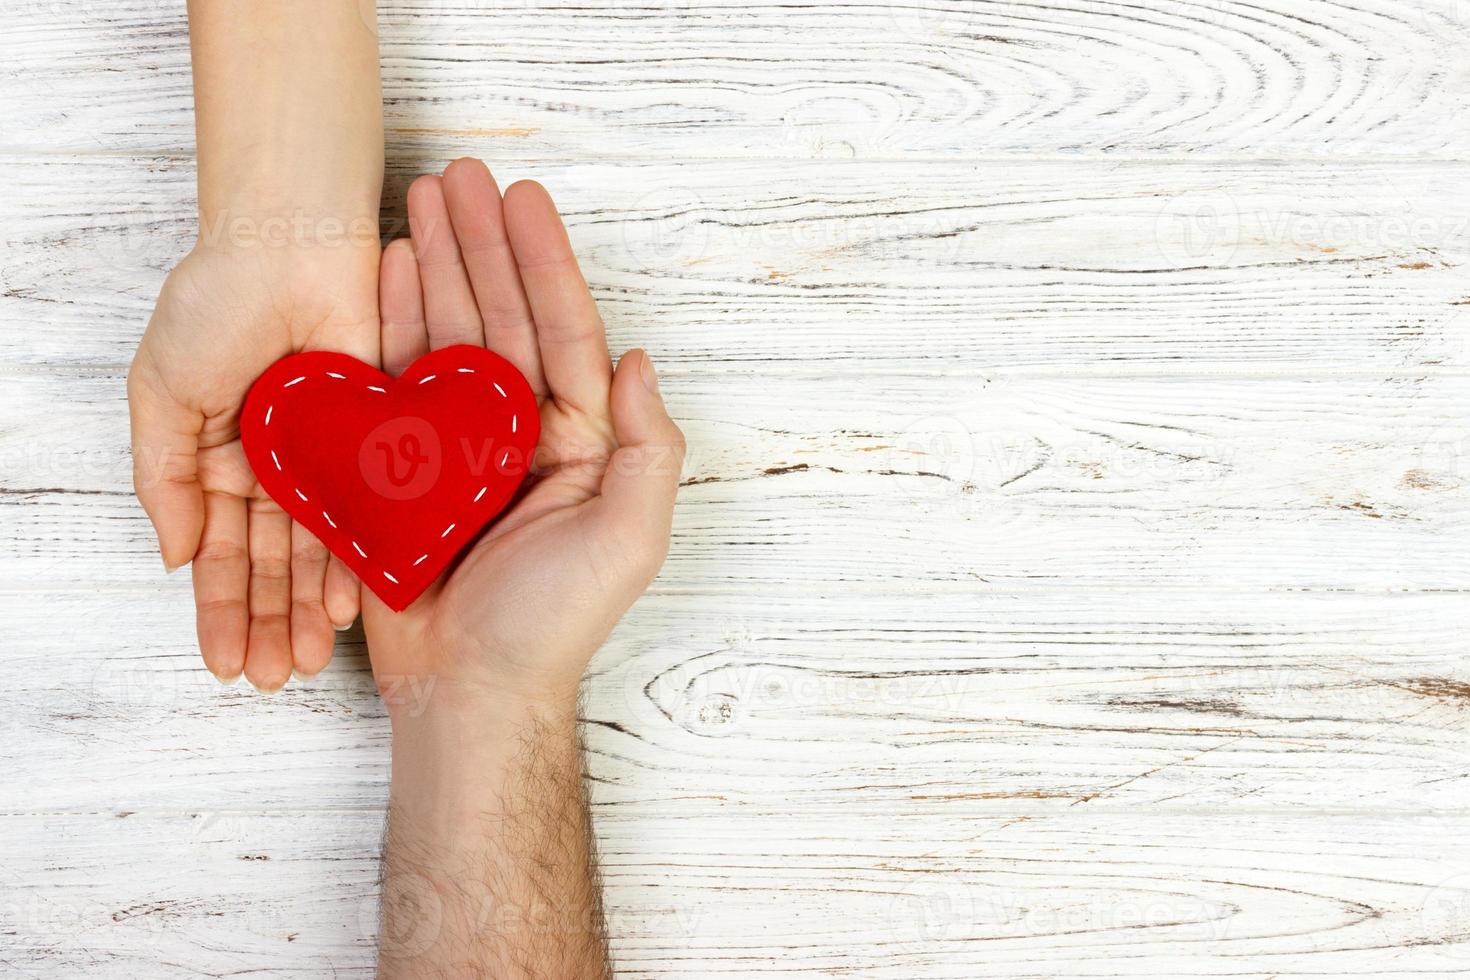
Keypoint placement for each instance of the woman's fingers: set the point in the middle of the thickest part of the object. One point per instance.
(449, 302)
(165, 443)
(221, 586)
(401, 302)
(568, 330)
(636, 507)
(311, 630)
(342, 594)
(268, 656)
(475, 211)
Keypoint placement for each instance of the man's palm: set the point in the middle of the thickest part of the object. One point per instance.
(532, 600)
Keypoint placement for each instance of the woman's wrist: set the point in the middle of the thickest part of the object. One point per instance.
(288, 112)
(282, 225)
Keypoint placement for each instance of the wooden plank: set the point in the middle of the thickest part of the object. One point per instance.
(922, 79)
(911, 483)
(1053, 267)
(1011, 704)
(725, 894)
(1077, 399)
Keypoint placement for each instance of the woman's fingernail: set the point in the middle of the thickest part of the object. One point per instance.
(228, 681)
(650, 378)
(342, 629)
(301, 675)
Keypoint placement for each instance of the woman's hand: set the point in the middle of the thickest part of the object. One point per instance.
(289, 123)
(528, 605)
(266, 594)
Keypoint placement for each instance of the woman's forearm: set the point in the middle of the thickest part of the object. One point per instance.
(288, 109)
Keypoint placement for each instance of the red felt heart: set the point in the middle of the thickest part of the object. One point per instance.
(394, 477)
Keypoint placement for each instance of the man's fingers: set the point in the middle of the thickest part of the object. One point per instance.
(268, 657)
(637, 503)
(475, 211)
(221, 586)
(342, 594)
(568, 330)
(311, 630)
(165, 478)
(449, 302)
(401, 302)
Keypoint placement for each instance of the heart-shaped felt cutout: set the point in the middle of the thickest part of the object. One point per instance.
(395, 477)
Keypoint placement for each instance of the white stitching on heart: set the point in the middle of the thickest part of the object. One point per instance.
(270, 411)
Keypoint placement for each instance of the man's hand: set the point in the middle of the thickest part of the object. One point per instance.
(533, 600)
(488, 868)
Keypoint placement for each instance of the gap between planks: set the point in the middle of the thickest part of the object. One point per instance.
(407, 154)
(854, 586)
(672, 368)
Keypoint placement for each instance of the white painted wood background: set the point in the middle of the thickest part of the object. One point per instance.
(1071, 577)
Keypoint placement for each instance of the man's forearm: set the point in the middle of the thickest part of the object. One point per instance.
(288, 110)
(487, 867)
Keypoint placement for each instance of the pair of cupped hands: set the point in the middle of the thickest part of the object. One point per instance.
(529, 603)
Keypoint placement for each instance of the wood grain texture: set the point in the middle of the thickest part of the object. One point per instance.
(911, 483)
(1002, 704)
(887, 79)
(949, 267)
(735, 894)
(1069, 576)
